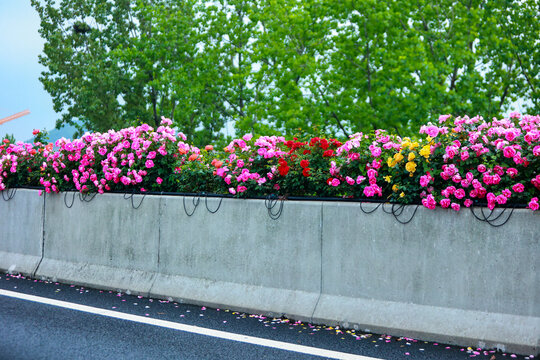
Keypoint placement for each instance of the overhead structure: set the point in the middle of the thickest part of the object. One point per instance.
(14, 116)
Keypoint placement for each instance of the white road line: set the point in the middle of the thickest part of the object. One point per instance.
(189, 328)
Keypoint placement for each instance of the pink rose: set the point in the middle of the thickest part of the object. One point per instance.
(519, 188)
(533, 204)
(459, 194)
(511, 172)
(424, 180)
(369, 191)
(445, 203)
(371, 173)
(429, 202)
(509, 152)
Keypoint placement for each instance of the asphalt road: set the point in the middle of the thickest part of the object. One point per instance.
(33, 330)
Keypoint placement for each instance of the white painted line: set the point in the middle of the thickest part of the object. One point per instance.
(189, 328)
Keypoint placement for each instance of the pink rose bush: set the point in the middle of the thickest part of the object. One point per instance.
(455, 164)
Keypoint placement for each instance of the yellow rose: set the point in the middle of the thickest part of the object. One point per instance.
(402, 194)
(395, 188)
(410, 167)
(414, 145)
(391, 162)
(387, 178)
(411, 156)
(425, 151)
(398, 157)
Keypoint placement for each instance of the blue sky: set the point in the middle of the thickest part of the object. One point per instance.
(20, 45)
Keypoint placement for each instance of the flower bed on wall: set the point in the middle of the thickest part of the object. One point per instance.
(453, 164)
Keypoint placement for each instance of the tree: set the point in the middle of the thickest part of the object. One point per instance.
(400, 63)
(295, 67)
(115, 63)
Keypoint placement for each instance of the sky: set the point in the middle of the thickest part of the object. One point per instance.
(20, 89)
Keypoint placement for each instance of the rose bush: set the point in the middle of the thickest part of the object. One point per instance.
(453, 164)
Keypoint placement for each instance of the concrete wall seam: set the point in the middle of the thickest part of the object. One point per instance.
(42, 235)
(321, 224)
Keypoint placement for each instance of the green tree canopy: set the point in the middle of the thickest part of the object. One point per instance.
(297, 67)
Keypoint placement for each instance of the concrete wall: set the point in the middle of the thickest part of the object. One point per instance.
(240, 256)
(21, 231)
(445, 276)
(442, 276)
(101, 243)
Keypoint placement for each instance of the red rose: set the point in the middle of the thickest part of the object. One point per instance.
(324, 144)
(328, 153)
(305, 172)
(304, 163)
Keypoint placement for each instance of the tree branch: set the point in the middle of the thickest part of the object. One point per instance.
(334, 115)
(525, 73)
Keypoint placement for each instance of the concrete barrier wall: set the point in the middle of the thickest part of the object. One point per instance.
(240, 256)
(103, 242)
(442, 276)
(21, 230)
(445, 276)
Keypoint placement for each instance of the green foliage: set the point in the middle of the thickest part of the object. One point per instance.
(8, 138)
(295, 67)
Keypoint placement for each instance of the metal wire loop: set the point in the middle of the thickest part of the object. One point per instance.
(72, 200)
(270, 202)
(130, 196)
(492, 222)
(8, 193)
(372, 211)
(397, 213)
(87, 197)
(384, 209)
(195, 200)
(397, 209)
(207, 208)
